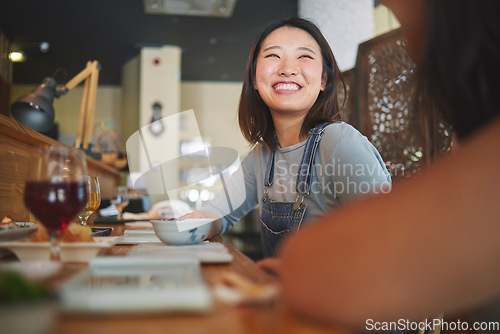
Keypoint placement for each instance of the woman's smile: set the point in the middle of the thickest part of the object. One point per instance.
(286, 86)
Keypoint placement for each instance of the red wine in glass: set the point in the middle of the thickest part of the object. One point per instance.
(55, 190)
(55, 204)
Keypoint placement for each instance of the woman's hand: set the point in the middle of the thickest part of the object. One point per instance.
(216, 225)
(199, 214)
(270, 265)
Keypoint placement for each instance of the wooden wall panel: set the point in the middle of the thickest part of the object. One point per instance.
(5, 75)
(389, 109)
(17, 146)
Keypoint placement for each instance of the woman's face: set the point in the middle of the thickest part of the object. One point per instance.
(289, 71)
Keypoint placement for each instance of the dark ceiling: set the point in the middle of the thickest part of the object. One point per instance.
(113, 31)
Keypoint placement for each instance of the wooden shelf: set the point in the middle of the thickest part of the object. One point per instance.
(17, 145)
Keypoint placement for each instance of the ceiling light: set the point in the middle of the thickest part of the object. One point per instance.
(17, 56)
(44, 47)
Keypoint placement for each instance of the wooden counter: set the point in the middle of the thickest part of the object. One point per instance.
(222, 319)
(17, 144)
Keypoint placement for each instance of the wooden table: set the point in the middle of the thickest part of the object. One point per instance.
(223, 318)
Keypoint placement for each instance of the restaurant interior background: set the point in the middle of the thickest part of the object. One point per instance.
(176, 62)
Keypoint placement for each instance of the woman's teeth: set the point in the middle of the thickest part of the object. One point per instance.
(286, 87)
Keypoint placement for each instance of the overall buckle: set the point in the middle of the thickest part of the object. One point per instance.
(299, 200)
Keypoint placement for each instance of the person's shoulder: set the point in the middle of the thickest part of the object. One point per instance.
(341, 138)
(259, 150)
(338, 131)
(258, 154)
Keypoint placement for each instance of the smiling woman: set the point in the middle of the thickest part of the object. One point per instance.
(305, 161)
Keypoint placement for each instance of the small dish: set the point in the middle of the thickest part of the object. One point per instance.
(182, 231)
(22, 230)
(101, 231)
(70, 251)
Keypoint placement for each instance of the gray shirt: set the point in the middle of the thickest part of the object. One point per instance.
(346, 165)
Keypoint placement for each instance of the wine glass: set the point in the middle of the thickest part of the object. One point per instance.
(94, 198)
(121, 200)
(55, 190)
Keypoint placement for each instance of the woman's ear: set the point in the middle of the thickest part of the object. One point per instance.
(324, 80)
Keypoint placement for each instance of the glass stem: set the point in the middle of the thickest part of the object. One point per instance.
(55, 247)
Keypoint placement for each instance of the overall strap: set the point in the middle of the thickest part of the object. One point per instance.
(303, 185)
(269, 177)
(304, 174)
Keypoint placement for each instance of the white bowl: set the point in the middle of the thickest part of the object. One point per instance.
(182, 231)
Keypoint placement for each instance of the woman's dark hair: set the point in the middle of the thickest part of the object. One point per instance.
(460, 70)
(254, 116)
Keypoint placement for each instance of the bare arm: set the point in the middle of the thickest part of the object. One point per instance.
(431, 245)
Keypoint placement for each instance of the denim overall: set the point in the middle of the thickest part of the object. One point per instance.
(279, 218)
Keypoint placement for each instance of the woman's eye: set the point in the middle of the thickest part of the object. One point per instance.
(271, 55)
(306, 56)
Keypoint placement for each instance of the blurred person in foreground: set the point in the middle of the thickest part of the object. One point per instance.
(433, 244)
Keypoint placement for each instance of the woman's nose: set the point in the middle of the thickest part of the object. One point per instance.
(288, 68)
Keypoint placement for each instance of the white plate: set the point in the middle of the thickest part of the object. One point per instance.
(23, 230)
(70, 251)
(205, 252)
(134, 237)
(153, 284)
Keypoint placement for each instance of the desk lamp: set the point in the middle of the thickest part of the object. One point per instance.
(35, 109)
